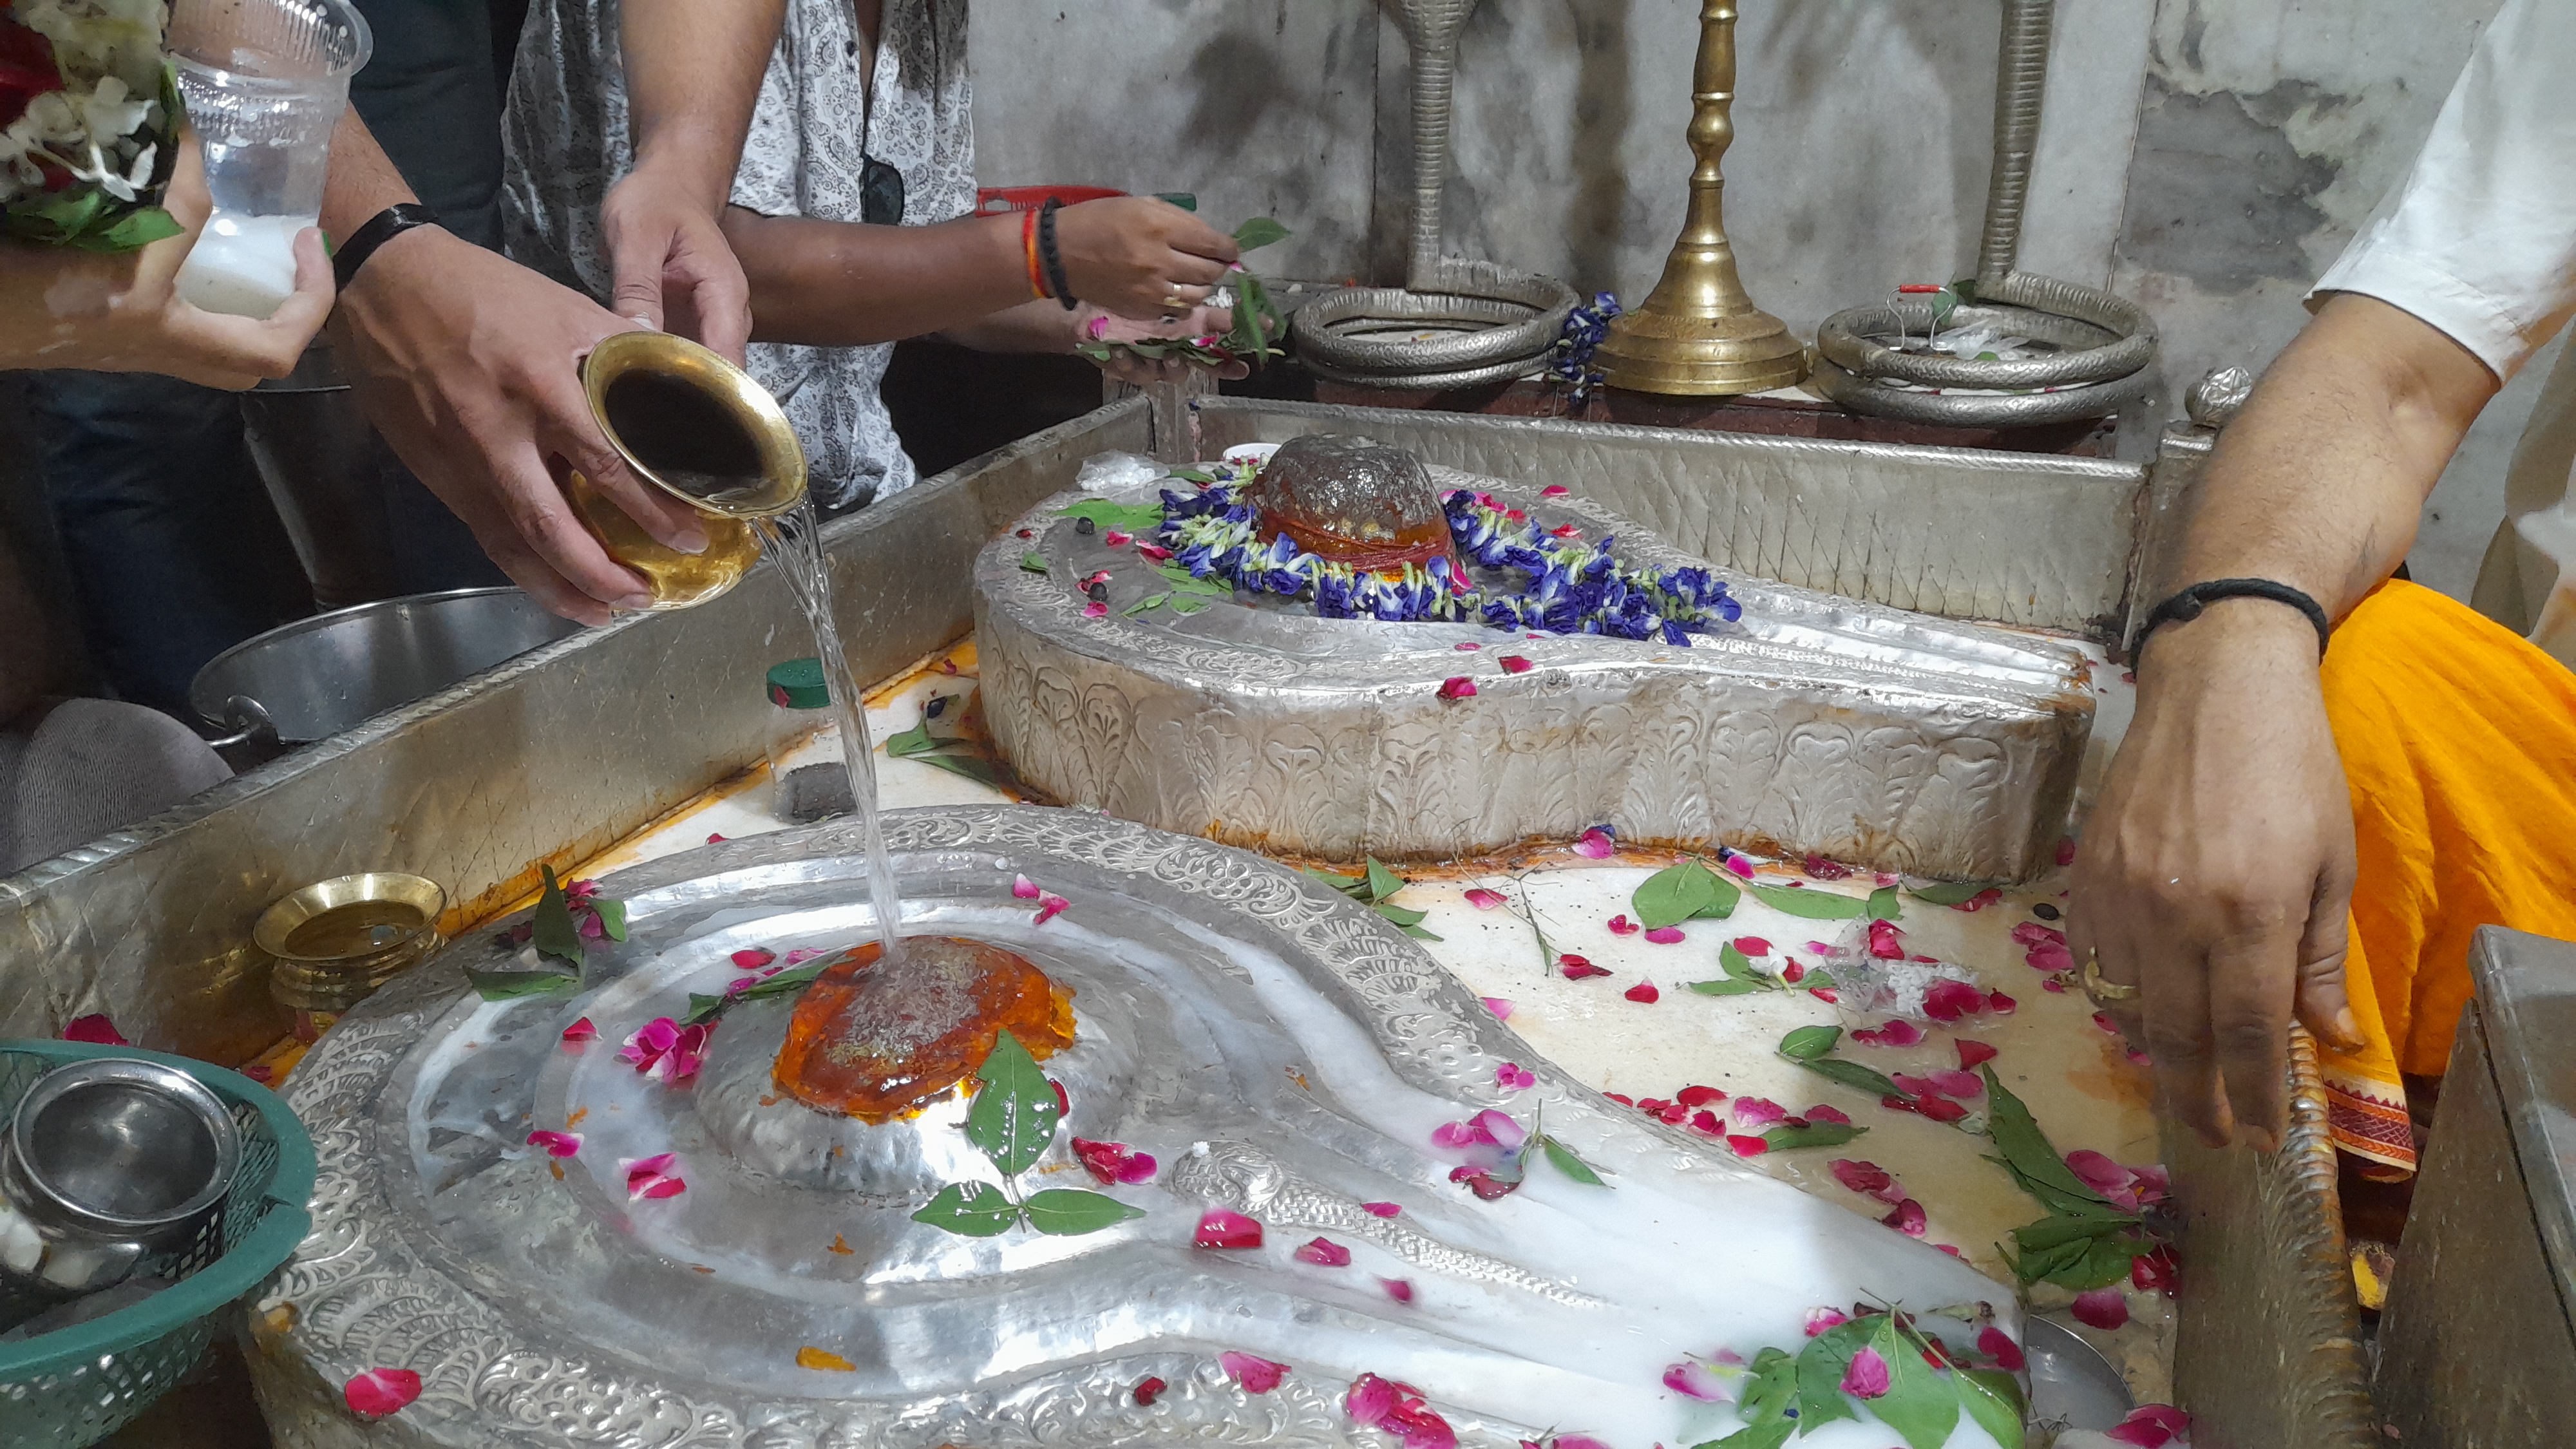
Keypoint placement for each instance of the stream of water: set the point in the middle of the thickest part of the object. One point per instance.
(795, 539)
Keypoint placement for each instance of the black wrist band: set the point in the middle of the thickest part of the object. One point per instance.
(2186, 605)
(1051, 259)
(380, 228)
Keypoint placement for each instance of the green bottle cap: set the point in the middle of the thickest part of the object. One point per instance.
(798, 684)
(1185, 200)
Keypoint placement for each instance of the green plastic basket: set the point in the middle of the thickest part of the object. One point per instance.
(74, 1387)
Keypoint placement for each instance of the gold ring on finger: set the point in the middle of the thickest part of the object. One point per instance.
(1175, 303)
(2101, 992)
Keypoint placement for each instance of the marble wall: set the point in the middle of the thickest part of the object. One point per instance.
(2207, 157)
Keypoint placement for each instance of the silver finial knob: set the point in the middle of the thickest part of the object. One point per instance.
(2213, 401)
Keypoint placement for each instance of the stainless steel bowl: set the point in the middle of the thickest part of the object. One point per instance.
(106, 1162)
(313, 678)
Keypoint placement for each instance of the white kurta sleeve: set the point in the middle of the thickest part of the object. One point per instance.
(2480, 238)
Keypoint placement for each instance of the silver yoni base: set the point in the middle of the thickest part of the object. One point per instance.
(1280, 1050)
(1865, 734)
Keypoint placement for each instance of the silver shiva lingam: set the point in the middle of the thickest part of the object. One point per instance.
(1146, 1140)
(1349, 653)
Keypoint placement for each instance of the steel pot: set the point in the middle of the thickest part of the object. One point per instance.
(313, 678)
(106, 1162)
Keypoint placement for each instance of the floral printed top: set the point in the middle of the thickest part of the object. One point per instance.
(566, 137)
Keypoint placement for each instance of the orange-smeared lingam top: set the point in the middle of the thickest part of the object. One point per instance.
(877, 1043)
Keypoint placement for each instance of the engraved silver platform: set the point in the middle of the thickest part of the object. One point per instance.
(1863, 733)
(1282, 1051)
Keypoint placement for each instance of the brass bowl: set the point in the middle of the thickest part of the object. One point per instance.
(700, 429)
(337, 941)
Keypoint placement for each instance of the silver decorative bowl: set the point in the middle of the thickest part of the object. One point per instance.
(1284, 1054)
(1869, 735)
(105, 1162)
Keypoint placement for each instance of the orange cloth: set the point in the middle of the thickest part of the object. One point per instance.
(2459, 740)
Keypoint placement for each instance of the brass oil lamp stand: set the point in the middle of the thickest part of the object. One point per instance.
(1697, 333)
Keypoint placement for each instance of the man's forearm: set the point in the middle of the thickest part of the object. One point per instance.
(362, 181)
(693, 70)
(2320, 483)
(839, 284)
(1028, 327)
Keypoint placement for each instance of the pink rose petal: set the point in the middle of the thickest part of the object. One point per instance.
(1554, 490)
(1866, 1376)
(1886, 942)
(1466, 647)
(1998, 1345)
(1113, 1162)
(1758, 1112)
(1739, 865)
(1257, 1375)
(1644, 993)
(1485, 900)
(97, 1030)
(1050, 907)
(1116, 538)
(1706, 1123)
(714, 839)
(380, 1391)
(1693, 1379)
(1511, 1076)
(1499, 1129)
(1025, 888)
(579, 1032)
(2000, 1004)
(2102, 1308)
(1324, 1252)
(1515, 664)
(1578, 968)
(1868, 1179)
(1154, 551)
(1949, 1000)
(1823, 1112)
(1957, 1085)
(2150, 1426)
(1907, 1218)
(1897, 1032)
(1370, 1400)
(1381, 1209)
(1225, 1228)
(1699, 1096)
(2066, 851)
(1620, 925)
(1399, 1289)
(1973, 1053)
(1095, 610)
(2156, 1272)
(1460, 687)
(1747, 1146)
(1824, 995)
(1752, 945)
(1665, 935)
(556, 1144)
(1501, 1007)
(1596, 844)
(1820, 1319)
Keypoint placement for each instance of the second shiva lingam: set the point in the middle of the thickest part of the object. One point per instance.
(1346, 652)
(1139, 1139)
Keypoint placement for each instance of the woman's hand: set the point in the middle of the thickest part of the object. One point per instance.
(1140, 258)
(1127, 367)
(61, 307)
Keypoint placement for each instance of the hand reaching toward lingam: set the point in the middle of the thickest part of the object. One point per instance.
(1134, 255)
(1123, 360)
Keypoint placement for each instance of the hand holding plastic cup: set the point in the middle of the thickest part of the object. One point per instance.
(265, 82)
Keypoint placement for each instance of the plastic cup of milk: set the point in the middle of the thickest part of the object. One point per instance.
(265, 82)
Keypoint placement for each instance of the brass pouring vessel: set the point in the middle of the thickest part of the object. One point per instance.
(336, 941)
(1698, 333)
(700, 429)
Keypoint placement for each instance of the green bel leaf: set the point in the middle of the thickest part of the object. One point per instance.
(1183, 580)
(1920, 1403)
(1033, 561)
(1259, 232)
(704, 1008)
(1187, 604)
(1069, 1212)
(1947, 893)
(1820, 1373)
(1993, 1399)
(1814, 1134)
(1382, 882)
(2026, 1149)
(1740, 966)
(511, 985)
(1816, 981)
(1810, 904)
(1419, 934)
(555, 934)
(1769, 1434)
(1728, 987)
(612, 917)
(1013, 1117)
(132, 231)
(914, 741)
(1185, 200)
(1126, 517)
(1401, 915)
(1150, 601)
(1883, 904)
(1562, 1158)
(1675, 894)
(1354, 886)
(970, 1210)
(1810, 1042)
(962, 762)
(1852, 1075)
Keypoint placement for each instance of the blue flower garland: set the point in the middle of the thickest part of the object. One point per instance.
(1571, 360)
(1573, 587)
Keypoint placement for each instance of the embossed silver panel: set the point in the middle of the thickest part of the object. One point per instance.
(1867, 735)
(1222, 1001)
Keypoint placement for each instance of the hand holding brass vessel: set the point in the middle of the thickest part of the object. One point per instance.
(700, 429)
